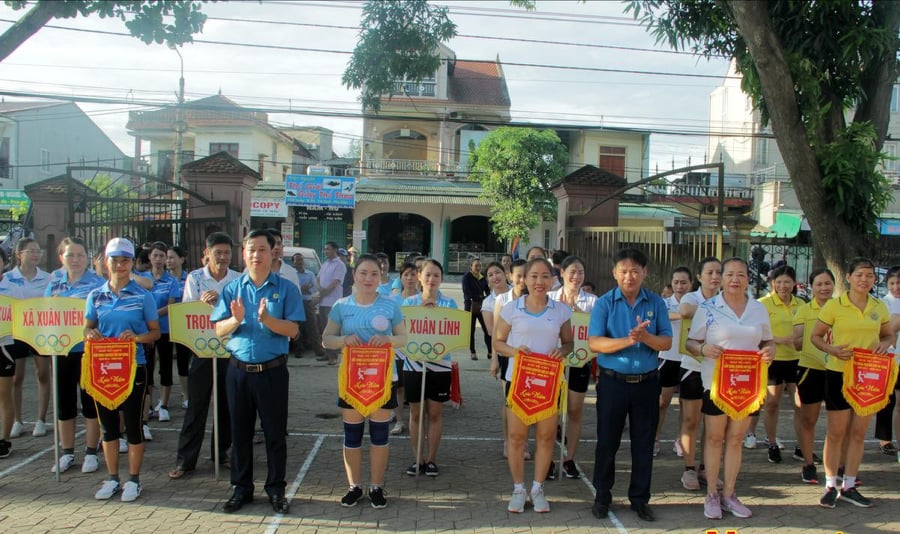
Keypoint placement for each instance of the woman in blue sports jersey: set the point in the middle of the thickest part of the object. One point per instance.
(165, 291)
(365, 318)
(409, 287)
(175, 265)
(7, 367)
(75, 281)
(122, 309)
(437, 375)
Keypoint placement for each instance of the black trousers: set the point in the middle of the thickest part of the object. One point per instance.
(264, 394)
(200, 388)
(884, 420)
(131, 408)
(640, 403)
(68, 389)
(475, 309)
(309, 329)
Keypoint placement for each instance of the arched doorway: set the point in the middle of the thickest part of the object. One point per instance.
(405, 144)
(398, 232)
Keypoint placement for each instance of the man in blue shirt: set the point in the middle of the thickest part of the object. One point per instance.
(629, 326)
(260, 311)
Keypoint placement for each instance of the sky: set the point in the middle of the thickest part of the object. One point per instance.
(302, 47)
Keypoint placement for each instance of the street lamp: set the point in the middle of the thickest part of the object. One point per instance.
(176, 159)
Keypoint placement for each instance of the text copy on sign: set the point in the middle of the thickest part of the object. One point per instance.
(433, 333)
(52, 326)
(190, 326)
(332, 191)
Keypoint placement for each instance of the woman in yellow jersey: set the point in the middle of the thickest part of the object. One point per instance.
(781, 305)
(856, 320)
(810, 372)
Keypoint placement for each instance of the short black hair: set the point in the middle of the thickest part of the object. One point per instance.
(275, 232)
(332, 244)
(630, 253)
(253, 234)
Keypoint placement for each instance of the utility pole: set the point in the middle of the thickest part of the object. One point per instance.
(176, 159)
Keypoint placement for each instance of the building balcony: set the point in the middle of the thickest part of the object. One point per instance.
(413, 167)
(414, 89)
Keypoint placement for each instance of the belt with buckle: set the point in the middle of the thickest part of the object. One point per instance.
(259, 367)
(630, 379)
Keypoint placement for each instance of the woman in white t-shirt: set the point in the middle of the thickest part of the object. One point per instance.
(670, 372)
(532, 323)
(496, 279)
(571, 294)
(885, 427)
(730, 320)
(690, 390)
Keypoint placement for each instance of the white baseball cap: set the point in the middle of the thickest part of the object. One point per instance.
(119, 246)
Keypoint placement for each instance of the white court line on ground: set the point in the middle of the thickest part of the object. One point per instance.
(612, 517)
(33, 457)
(301, 474)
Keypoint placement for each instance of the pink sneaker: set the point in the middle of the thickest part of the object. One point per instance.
(712, 508)
(736, 507)
(677, 448)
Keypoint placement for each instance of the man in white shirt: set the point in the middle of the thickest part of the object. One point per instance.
(331, 279)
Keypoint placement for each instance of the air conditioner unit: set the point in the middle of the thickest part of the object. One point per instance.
(709, 209)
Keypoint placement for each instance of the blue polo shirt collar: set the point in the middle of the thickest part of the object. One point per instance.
(271, 279)
(642, 295)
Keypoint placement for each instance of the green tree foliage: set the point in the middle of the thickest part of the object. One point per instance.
(805, 65)
(144, 19)
(516, 167)
(399, 40)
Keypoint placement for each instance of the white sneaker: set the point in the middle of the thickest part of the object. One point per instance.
(750, 441)
(539, 501)
(17, 429)
(123, 445)
(131, 491)
(65, 463)
(107, 490)
(90, 464)
(184, 404)
(147, 435)
(517, 501)
(164, 415)
(397, 429)
(40, 429)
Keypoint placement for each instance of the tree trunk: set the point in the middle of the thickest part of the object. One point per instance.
(833, 240)
(27, 26)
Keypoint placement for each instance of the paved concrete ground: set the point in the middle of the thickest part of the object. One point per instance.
(470, 494)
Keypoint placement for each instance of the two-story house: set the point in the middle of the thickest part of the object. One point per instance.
(38, 140)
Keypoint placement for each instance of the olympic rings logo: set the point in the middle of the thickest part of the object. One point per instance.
(579, 356)
(214, 344)
(431, 352)
(53, 342)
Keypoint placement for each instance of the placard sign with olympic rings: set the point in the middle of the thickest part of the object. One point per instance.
(581, 354)
(190, 326)
(433, 333)
(6, 315)
(52, 326)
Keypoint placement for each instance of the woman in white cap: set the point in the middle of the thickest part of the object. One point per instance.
(122, 309)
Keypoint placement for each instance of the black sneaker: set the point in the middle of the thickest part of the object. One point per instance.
(5, 446)
(809, 474)
(798, 455)
(817, 459)
(376, 496)
(570, 470)
(431, 470)
(551, 473)
(829, 498)
(412, 469)
(855, 497)
(774, 454)
(352, 497)
(888, 449)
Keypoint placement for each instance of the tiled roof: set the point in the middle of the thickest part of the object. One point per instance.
(590, 175)
(219, 163)
(12, 107)
(478, 82)
(59, 185)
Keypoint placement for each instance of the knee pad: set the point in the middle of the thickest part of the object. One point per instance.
(379, 432)
(353, 435)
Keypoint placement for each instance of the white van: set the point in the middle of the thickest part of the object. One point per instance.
(310, 258)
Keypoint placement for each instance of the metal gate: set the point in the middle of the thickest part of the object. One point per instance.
(666, 248)
(142, 208)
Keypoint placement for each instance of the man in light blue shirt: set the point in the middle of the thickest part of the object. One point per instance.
(629, 326)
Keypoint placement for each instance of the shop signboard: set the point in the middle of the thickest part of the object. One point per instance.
(268, 207)
(318, 213)
(325, 191)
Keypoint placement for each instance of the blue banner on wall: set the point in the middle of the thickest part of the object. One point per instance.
(328, 191)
